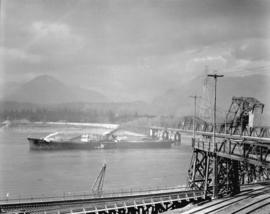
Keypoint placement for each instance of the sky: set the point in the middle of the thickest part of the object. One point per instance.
(132, 49)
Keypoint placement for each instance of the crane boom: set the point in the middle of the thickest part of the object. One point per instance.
(97, 187)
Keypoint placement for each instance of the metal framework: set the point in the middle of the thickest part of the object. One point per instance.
(200, 174)
(238, 162)
(237, 118)
(236, 121)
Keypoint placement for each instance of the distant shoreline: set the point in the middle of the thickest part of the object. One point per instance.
(8, 123)
(50, 127)
(103, 125)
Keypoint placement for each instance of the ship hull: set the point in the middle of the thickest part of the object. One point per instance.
(137, 145)
(41, 144)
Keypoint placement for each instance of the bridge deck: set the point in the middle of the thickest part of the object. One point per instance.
(237, 151)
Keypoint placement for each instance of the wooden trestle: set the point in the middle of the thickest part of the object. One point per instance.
(142, 202)
(239, 160)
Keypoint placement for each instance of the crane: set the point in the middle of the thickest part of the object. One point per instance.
(97, 187)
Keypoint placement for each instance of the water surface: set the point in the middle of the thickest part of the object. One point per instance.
(25, 172)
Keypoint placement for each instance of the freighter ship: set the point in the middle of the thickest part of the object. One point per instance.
(87, 142)
(58, 141)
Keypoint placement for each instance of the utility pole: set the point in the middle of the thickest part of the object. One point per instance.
(195, 97)
(215, 76)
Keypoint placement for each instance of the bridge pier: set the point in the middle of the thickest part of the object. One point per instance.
(234, 177)
(241, 158)
(165, 135)
(237, 162)
(177, 138)
(201, 174)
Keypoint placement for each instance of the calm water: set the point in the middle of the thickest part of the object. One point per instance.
(28, 172)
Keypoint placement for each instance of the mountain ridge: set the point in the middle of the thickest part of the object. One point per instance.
(175, 101)
(46, 89)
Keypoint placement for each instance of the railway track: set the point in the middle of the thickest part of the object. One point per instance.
(253, 198)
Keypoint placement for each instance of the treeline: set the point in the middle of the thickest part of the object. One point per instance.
(70, 115)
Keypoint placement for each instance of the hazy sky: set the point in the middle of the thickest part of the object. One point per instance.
(132, 49)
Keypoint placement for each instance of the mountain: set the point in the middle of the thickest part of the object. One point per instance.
(176, 101)
(48, 90)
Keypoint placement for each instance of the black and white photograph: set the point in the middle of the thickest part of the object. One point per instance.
(134, 106)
